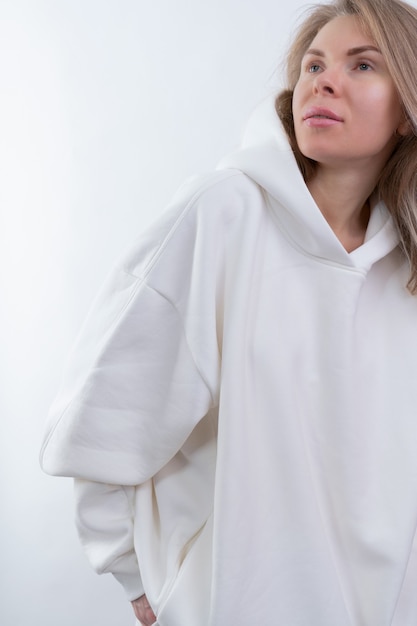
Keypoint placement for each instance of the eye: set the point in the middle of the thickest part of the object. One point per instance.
(364, 67)
(313, 68)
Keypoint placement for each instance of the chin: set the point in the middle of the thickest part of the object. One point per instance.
(322, 154)
(312, 150)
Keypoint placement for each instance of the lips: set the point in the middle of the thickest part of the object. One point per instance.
(321, 113)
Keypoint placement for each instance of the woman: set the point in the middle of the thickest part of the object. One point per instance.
(239, 414)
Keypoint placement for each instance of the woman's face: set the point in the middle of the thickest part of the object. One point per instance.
(346, 107)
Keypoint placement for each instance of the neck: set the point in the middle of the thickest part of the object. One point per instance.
(342, 197)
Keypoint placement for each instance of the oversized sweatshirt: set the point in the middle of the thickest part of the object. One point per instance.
(239, 411)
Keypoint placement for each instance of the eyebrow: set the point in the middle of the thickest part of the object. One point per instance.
(350, 53)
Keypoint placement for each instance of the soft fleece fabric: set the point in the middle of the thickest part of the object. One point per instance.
(240, 409)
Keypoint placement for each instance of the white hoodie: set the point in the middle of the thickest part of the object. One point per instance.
(240, 410)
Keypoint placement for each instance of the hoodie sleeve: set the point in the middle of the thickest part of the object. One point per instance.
(144, 371)
(104, 521)
(132, 396)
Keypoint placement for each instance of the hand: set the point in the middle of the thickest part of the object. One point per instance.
(143, 611)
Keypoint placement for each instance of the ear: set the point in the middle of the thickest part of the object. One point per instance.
(404, 128)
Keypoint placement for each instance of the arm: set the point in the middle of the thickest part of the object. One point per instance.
(144, 372)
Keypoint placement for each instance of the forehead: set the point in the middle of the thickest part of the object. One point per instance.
(344, 31)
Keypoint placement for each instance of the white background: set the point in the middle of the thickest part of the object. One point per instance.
(105, 107)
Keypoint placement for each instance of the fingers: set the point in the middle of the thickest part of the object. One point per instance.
(143, 611)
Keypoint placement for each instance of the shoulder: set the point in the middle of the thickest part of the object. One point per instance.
(220, 184)
(203, 206)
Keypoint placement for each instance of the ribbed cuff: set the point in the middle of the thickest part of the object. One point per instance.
(129, 577)
(132, 585)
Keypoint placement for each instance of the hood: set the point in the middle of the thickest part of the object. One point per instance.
(267, 158)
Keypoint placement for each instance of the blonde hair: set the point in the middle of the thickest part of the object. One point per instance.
(392, 25)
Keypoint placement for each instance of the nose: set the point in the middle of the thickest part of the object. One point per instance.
(326, 83)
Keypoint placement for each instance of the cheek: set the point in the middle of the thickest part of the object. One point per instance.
(297, 106)
(296, 100)
(381, 106)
